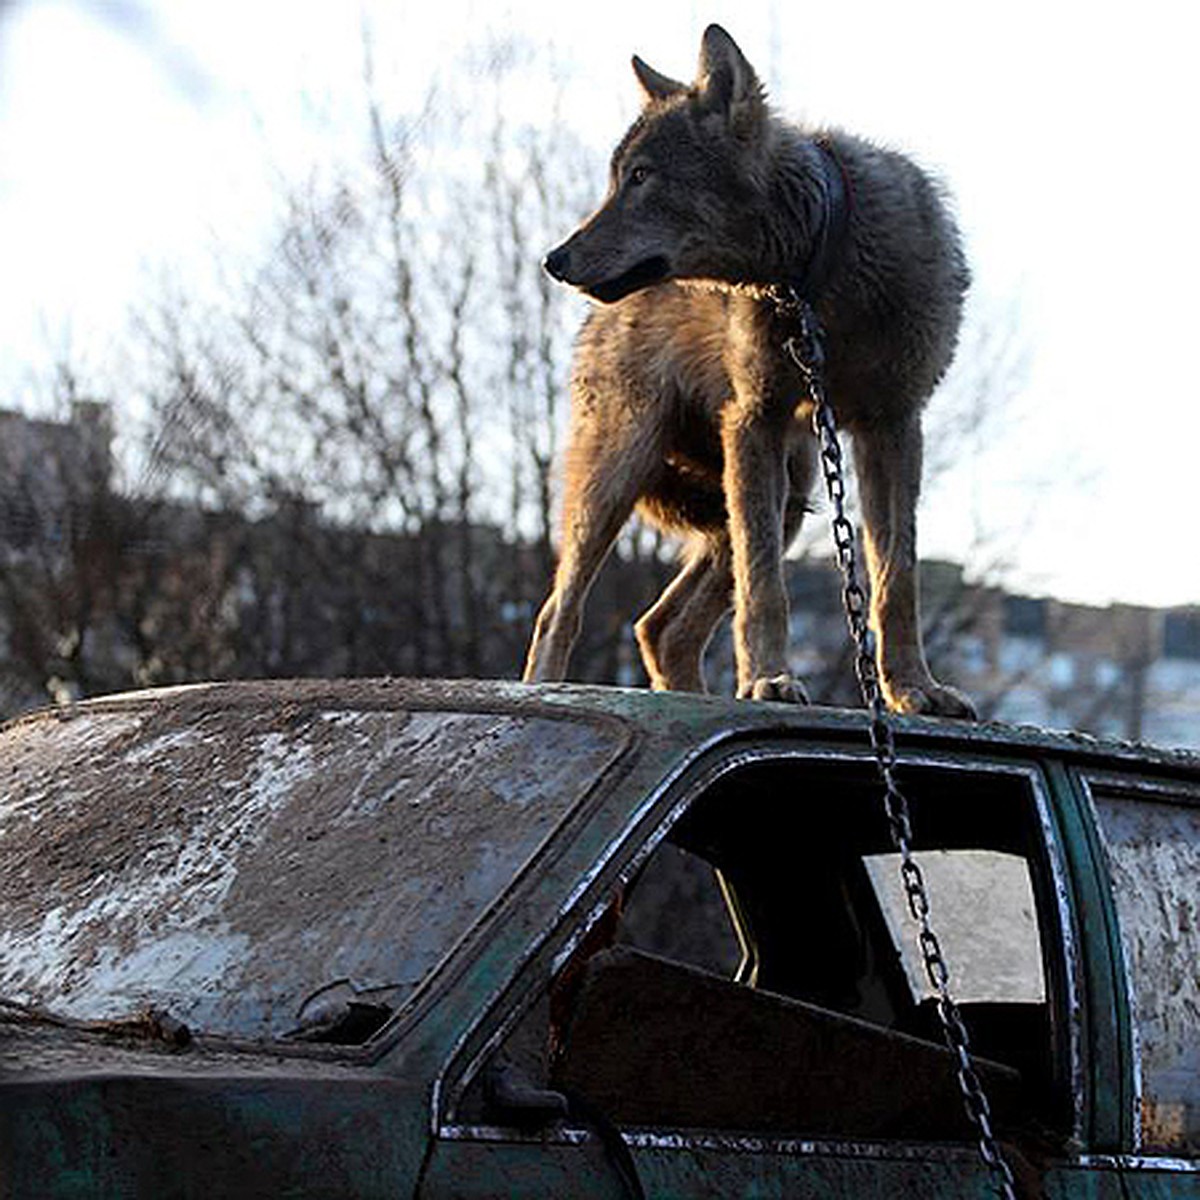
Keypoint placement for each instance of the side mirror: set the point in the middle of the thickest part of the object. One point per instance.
(509, 1093)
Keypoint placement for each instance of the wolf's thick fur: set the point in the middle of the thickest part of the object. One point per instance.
(685, 405)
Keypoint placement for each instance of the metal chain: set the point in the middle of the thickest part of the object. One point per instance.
(806, 350)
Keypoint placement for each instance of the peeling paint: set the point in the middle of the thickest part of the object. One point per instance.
(1154, 856)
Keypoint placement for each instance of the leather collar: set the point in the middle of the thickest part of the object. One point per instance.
(834, 218)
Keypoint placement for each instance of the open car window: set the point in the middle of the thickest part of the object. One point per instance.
(758, 968)
(986, 923)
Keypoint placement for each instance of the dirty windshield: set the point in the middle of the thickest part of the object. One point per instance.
(229, 867)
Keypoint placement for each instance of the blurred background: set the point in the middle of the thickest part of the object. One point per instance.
(282, 384)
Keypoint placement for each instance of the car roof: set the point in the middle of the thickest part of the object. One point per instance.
(685, 720)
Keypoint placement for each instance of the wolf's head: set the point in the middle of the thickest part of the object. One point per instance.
(685, 183)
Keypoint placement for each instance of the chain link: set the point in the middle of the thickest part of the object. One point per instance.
(806, 350)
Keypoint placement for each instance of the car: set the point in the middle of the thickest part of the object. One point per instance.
(473, 939)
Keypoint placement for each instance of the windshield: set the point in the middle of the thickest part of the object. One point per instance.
(227, 868)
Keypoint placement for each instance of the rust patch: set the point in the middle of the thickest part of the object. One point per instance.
(1154, 857)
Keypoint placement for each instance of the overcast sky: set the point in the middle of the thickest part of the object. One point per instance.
(134, 135)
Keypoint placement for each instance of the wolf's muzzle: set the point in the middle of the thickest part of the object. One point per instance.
(557, 263)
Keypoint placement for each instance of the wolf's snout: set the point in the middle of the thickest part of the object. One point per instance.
(558, 263)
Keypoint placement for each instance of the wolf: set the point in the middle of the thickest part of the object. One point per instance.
(685, 405)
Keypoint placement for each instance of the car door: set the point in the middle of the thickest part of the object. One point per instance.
(733, 1006)
(1150, 830)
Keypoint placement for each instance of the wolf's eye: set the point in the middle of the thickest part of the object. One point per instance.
(638, 176)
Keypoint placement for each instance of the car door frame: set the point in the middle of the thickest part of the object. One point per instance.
(1146, 1175)
(1068, 853)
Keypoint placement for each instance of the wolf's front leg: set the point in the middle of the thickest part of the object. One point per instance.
(756, 485)
(606, 467)
(888, 460)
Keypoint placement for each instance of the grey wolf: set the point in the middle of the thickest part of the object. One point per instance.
(684, 404)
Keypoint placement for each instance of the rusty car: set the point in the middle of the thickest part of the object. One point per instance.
(464, 939)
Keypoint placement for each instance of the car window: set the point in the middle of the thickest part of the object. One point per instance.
(758, 969)
(677, 909)
(986, 923)
(1153, 846)
(267, 873)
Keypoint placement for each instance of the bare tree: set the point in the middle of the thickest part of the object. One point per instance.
(395, 371)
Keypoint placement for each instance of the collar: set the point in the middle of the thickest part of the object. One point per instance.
(833, 186)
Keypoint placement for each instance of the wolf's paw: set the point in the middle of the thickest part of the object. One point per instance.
(930, 699)
(776, 687)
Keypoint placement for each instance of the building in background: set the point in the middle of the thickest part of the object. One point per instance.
(101, 591)
(47, 468)
(1118, 671)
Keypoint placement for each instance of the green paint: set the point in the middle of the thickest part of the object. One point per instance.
(1105, 1016)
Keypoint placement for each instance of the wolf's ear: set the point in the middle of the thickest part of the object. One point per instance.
(727, 83)
(655, 86)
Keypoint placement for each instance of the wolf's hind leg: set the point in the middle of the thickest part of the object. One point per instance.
(888, 460)
(674, 633)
